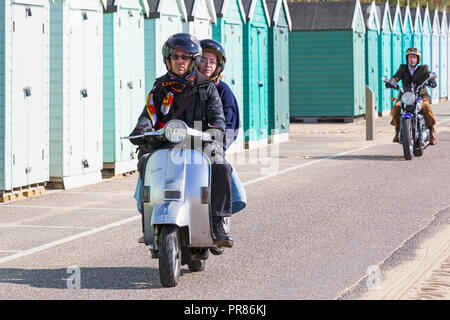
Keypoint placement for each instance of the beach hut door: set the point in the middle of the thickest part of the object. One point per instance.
(28, 111)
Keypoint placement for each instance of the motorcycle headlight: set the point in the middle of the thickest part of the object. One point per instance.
(408, 98)
(175, 131)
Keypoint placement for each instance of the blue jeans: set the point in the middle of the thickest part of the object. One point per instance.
(238, 195)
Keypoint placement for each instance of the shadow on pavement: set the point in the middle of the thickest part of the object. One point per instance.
(113, 278)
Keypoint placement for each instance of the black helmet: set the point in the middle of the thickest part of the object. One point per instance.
(209, 45)
(185, 42)
(413, 51)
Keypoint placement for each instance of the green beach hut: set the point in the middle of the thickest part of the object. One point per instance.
(281, 25)
(256, 73)
(228, 31)
(326, 60)
(384, 58)
(165, 18)
(123, 81)
(24, 94)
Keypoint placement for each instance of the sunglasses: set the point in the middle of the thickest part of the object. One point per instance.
(183, 57)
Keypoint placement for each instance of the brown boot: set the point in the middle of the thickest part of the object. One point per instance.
(397, 129)
(433, 140)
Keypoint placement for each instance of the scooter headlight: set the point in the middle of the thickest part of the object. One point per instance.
(408, 98)
(175, 131)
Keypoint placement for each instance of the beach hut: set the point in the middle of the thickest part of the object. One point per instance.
(435, 51)
(416, 18)
(165, 18)
(326, 60)
(384, 58)
(426, 37)
(407, 31)
(76, 78)
(256, 73)
(123, 81)
(24, 94)
(443, 57)
(228, 31)
(371, 47)
(201, 14)
(396, 45)
(281, 25)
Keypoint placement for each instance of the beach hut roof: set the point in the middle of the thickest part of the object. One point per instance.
(324, 15)
(443, 21)
(274, 7)
(395, 13)
(221, 7)
(250, 6)
(191, 8)
(155, 8)
(111, 6)
(383, 13)
(406, 16)
(416, 17)
(434, 18)
(369, 12)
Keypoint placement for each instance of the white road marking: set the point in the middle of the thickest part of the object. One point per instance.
(67, 239)
(134, 218)
(64, 208)
(303, 165)
(35, 226)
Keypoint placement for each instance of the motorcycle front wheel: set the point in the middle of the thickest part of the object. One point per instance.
(169, 256)
(407, 139)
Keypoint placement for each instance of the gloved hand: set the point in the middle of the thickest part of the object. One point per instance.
(390, 86)
(432, 83)
(138, 130)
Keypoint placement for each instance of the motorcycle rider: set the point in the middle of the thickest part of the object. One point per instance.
(186, 94)
(212, 66)
(408, 73)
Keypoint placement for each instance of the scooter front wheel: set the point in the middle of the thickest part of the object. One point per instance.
(169, 255)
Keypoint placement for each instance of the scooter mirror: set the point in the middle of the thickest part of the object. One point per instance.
(384, 79)
(433, 75)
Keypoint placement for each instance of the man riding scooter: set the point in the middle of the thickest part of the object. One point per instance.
(184, 93)
(410, 73)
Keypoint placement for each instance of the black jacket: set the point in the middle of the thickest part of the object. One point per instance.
(421, 74)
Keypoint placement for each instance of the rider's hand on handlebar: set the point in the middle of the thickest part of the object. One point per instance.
(432, 83)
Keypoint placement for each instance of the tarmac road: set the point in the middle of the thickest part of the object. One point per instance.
(330, 206)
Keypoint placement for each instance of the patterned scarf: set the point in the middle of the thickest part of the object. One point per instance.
(176, 85)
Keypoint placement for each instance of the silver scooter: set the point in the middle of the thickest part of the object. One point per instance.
(177, 199)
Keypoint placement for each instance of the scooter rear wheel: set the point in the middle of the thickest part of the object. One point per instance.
(169, 256)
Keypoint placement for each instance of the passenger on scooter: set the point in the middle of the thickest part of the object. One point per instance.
(408, 73)
(212, 66)
(186, 94)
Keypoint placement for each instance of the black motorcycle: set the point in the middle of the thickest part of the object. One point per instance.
(414, 134)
